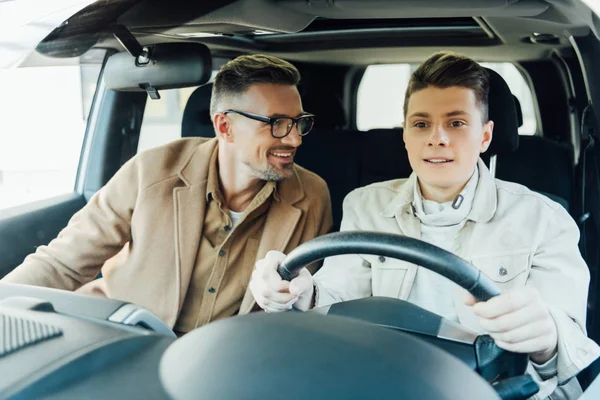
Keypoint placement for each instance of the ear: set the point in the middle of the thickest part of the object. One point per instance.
(486, 140)
(222, 126)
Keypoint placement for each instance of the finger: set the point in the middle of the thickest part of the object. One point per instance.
(270, 306)
(513, 320)
(265, 288)
(275, 257)
(283, 286)
(263, 269)
(502, 304)
(304, 272)
(266, 270)
(302, 283)
(527, 346)
(290, 304)
(266, 266)
(277, 297)
(276, 291)
(523, 333)
(469, 299)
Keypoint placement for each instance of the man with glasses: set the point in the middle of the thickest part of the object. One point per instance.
(197, 213)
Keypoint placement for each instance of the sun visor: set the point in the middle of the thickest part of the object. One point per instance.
(161, 66)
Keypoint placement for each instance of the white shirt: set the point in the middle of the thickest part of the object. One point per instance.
(440, 222)
(235, 217)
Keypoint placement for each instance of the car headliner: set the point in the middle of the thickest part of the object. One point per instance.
(347, 32)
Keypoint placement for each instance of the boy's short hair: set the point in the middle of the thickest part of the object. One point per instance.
(447, 69)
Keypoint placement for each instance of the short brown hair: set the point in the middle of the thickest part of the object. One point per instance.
(237, 75)
(446, 69)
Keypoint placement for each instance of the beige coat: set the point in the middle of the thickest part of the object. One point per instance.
(156, 201)
(530, 237)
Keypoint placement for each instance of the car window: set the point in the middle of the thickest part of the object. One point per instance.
(378, 106)
(44, 107)
(521, 89)
(162, 117)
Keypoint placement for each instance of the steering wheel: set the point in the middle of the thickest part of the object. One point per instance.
(403, 248)
(309, 355)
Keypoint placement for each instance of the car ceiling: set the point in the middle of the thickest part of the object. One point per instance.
(351, 32)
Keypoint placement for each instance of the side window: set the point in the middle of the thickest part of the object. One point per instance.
(163, 117)
(519, 87)
(45, 107)
(381, 95)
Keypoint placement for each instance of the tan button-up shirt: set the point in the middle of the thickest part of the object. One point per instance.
(225, 258)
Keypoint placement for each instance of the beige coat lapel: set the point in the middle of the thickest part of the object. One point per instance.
(280, 225)
(190, 206)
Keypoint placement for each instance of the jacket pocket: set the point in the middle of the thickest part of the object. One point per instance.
(387, 275)
(508, 270)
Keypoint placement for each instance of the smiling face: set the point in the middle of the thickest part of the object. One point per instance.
(250, 141)
(444, 136)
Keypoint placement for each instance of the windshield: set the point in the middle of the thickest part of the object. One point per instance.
(24, 23)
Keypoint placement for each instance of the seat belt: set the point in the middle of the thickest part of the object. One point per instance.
(130, 133)
(588, 144)
(590, 206)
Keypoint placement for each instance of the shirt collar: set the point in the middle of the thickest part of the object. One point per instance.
(448, 213)
(213, 188)
(484, 201)
(212, 185)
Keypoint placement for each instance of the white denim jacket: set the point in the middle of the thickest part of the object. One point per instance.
(515, 236)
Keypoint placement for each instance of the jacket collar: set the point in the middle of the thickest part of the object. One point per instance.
(484, 202)
(291, 190)
(197, 168)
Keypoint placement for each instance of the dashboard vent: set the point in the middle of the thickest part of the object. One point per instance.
(18, 333)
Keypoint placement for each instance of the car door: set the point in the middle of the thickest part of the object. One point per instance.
(62, 136)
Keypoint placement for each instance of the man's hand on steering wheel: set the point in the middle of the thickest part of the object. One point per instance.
(519, 321)
(274, 294)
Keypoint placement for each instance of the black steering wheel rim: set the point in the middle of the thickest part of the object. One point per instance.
(399, 247)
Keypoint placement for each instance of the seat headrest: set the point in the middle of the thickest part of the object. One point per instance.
(196, 116)
(519, 111)
(503, 112)
(327, 107)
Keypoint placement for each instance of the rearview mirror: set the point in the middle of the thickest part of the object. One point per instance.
(163, 66)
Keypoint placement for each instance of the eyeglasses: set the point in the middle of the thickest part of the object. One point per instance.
(281, 126)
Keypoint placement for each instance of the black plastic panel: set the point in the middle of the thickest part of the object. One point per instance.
(65, 302)
(391, 313)
(311, 356)
(25, 228)
(405, 317)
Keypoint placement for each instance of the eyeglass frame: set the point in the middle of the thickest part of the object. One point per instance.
(271, 120)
